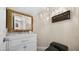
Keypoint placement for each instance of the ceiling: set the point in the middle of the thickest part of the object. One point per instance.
(28, 10)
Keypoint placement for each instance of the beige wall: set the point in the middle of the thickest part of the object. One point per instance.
(65, 32)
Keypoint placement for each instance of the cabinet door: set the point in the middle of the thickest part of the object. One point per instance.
(31, 45)
(27, 43)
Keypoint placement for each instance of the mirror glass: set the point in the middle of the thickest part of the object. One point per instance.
(21, 22)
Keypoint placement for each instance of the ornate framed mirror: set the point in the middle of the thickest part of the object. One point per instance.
(18, 22)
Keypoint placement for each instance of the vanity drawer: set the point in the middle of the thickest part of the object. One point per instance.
(18, 42)
(29, 43)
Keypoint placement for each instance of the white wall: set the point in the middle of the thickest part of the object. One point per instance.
(2, 27)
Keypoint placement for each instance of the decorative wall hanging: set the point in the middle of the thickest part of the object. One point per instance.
(61, 17)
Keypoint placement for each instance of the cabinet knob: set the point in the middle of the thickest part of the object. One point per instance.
(25, 46)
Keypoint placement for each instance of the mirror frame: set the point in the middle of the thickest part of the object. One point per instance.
(10, 24)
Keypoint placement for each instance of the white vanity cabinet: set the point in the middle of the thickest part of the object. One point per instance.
(21, 42)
